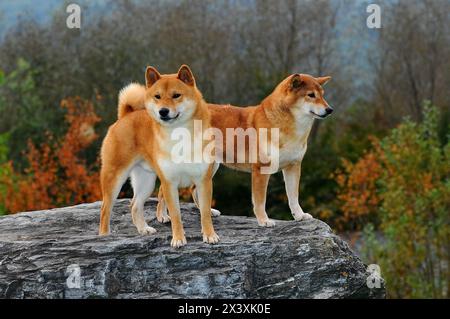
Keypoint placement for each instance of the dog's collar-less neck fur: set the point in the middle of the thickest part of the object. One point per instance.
(276, 112)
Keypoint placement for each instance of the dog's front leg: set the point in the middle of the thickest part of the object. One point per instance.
(204, 192)
(171, 197)
(291, 176)
(259, 193)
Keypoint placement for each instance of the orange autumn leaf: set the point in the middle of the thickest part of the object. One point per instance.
(57, 175)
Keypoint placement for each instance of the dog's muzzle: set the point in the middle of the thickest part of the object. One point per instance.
(164, 115)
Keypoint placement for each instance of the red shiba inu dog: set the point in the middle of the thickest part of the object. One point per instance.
(291, 108)
(139, 146)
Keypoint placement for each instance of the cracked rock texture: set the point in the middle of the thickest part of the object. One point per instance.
(58, 254)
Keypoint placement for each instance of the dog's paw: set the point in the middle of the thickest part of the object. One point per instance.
(302, 216)
(178, 242)
(163, 219)
(215, 212)
(103, 231)
(211, 239)
(147, 230)
(266, 223)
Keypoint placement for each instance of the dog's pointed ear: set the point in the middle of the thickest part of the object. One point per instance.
(151, 76)
(323, 80)
(185, 75)
(296, 82)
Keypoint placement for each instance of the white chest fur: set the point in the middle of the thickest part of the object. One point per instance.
(291, 152)
(294, 144)
(183, 174)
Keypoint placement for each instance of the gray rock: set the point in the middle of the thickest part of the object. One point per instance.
(42, 252)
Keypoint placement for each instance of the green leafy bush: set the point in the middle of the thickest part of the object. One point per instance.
(27, 115)
(4, 168)
(412, 243)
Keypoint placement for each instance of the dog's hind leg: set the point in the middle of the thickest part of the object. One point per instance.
(161, 209)
(112, 179)
(259, 193)
(214, 212)
(143, 182)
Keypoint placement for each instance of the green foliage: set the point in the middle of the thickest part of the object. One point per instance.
(28, 117)
(413, 250)
(4, 168)
(345, 136)
(4, 149)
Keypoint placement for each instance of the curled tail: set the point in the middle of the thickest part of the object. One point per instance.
(131, 98)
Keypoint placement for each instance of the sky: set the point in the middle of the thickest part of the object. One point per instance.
(353, 33)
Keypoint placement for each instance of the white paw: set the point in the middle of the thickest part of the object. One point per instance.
(147, 230)
(163, 219)
(302, 216)
(266, 223)
(177, 243)
(215, 212)
(211, 239)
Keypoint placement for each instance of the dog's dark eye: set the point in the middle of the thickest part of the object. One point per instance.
(176, 95)
(312, 95)
(157, 96)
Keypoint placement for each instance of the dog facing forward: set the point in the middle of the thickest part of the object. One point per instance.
(139, 146)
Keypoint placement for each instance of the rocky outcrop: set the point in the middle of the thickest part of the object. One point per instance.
(57, 254)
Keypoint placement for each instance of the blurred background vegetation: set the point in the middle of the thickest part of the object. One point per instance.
(377, 171)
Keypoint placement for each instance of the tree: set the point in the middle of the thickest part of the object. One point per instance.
(412, 62)
(402, 186)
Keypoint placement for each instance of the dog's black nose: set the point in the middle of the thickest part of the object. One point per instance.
(164, 112)
(329, 110)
